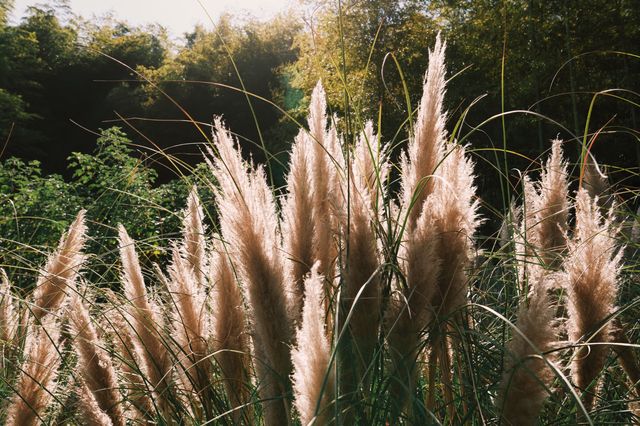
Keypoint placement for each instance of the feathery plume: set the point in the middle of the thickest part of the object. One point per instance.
(455, 220)
(92, 414)
(193, 230)
(455, 214)
(411, 311)
(94, 362)
(188, 299)
(597, 183)
(371, 167)
(634, 236)
(592, 268)
(36, 381)
(361, 264)
(145, 321)
(525, 240)
(312, 380)
(324, 154)
(136, 389)
(298, 226)
(61, 270)
(229, 336)
(508, 229)
(527, 377)
(551, 208)
(438, 196)
(249, 224)
(318, 114)
(8, 312)
(425, 149)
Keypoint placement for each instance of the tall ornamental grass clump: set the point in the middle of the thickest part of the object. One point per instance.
(356, 294)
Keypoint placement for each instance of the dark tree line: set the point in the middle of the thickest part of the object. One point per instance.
(62, 78)
(57, 69)
(558, 56)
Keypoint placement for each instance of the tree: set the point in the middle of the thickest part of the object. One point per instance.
(359, 41)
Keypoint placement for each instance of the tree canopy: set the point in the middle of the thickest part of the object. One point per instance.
(63, 77)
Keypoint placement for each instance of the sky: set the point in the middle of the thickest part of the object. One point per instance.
(178, 16)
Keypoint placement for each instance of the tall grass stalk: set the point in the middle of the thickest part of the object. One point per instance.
(146, 325)
(312, 377)
(250, 228)
(360, 293)
(592, 268)
(57, 278)
(94, 363)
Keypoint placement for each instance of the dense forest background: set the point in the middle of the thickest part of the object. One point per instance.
(62, 77)
(65, 80)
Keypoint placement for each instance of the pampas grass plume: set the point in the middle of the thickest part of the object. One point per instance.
(229, 335)
(193, 230)
(592, 269)
(190, 312)
(145, 321)
(8, 312)
(136, 389)
(61, 269)
(551, 208)
(361, 275)
(412, 311)
(323, 150)
(88, 408)
(249, 225)
(94, 362)
(527, 378)
(298, 223)
(312, 380)
(424, 152)
(597, 183)
(37, 379)
(455, 215)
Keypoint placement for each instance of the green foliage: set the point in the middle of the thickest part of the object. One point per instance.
(111, 184)
(366, 33)
(64, 68)
(554, 65)
(34, 210)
